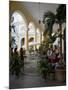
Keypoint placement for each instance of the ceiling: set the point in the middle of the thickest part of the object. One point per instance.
(37, 9)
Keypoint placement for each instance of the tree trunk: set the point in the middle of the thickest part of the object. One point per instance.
(65, 45)
(60, 27)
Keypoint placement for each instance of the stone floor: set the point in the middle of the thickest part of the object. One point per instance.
(31, 78)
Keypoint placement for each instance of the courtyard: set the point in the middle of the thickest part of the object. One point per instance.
(37, 45)
(31, 77)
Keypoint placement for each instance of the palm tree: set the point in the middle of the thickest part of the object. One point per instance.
(61, 18)
(50, 18)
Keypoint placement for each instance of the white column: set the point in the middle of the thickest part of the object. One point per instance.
(26, 40)
(35, 38)
(40, 37)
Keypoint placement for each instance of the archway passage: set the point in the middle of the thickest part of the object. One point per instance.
(23, 36)
(19, 28)
(18, 33)
(26, 35)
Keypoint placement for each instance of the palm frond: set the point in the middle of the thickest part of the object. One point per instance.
(49, 15)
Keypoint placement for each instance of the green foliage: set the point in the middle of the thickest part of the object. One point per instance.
(31, 49)
(47, 44)
(15, 64)
(45, 67)
(43, 48)
(61, 13)
(49, 19)
(61, 64)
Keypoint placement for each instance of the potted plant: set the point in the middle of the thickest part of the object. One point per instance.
(43, 68)
(51, 71)
(46, 69)
(60, 71)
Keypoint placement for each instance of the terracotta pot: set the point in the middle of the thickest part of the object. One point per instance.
(60, 75)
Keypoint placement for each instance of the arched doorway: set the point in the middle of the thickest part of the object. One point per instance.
(18, 30)
(32, 34)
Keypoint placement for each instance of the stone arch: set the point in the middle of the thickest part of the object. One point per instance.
(19, 22)
(18, 6)
(21, 14)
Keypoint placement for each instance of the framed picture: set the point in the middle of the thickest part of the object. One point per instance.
(37, 44)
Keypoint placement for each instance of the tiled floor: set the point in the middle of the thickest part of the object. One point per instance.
(31, 78)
